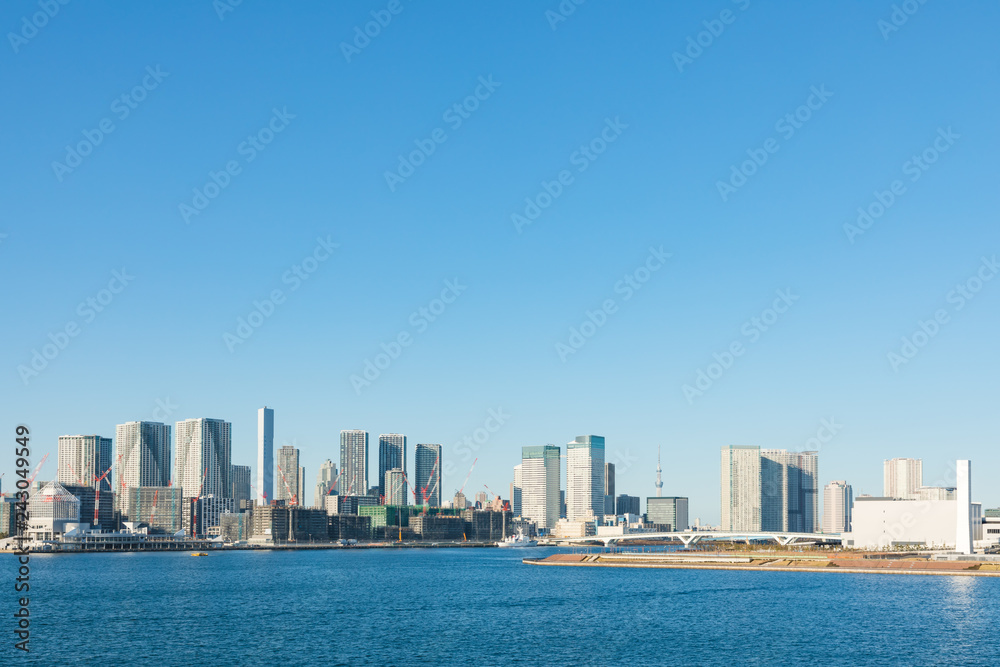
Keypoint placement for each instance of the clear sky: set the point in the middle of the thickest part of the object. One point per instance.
(626, 136)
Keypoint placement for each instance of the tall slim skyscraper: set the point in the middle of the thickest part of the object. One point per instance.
(427, 466)
(741, 489)
(902, 478)
(240, 479)
(609, 488)
(585, 477)
(963, 507)
(838, 499)
(516, 503)
(326, 482)
(83, 459)
(353, 463)
(540, 485)
(265, 455)
(204, 458)
(142, 455)
(391, 454)
(301, 494)
(288, 476)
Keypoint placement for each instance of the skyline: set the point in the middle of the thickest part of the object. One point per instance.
(670, 274)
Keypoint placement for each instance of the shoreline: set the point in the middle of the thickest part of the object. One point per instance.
(921, 567)
(208, 548)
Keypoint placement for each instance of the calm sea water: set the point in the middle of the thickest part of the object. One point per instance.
(484, 607)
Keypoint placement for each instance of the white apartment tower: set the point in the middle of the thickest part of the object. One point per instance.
(83, 459)
(540, 485)
(353, 463)
(741, 489)
(585, 478)
(204, 458)
(902, 478)
(838, 499)
(265, 455)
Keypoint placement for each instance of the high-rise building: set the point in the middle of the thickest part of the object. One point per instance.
(516, 503)
(427, 470)
(142, 454)
(741, 489)
(391, 454)
(83, 459)
(585, 477)
(540, 485)
(326, 482)
(481, 500)
(204, 458)
(838, 498)
(626, 504)
(395, 487)
(672, 511)
(240, 479)
(353, 463)
(288, 476)
(789, 492)
(902, 478)
(265, 455)
(301, 493)
(609, 488)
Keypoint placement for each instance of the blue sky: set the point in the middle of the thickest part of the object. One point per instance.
(678, 131)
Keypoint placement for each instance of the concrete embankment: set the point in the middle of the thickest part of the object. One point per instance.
(758, 563)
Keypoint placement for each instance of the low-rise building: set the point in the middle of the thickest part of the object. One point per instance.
(438, 527)
(887, 523)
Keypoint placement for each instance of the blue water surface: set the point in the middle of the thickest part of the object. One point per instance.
(484, 607)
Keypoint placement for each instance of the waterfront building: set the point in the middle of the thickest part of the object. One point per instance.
(265, 455)
(671, 510)
(486, 525)
(516, 492)
(901, 478)
(626, 504)
(353, 463)
(8, 517)
(427, 466)
(838, 499)
(204, 458)
(51, 512)
(240, 479)
(326, 483)
(235, 527)
(142, 455)
(609, 488)
(350, 526)
(83, 459)
(308, 524)
(565, 528)
(540, 493)
(391, 455)
(438, 527)
(269, 523)
(741, 489)
(395, 487)
(159, 507)
(288, 475)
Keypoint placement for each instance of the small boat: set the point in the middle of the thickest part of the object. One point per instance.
(517, 541)
(199, 553)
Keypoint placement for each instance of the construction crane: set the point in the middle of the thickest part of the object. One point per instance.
(38, 469)
(152, 512)
(97, 491)
(293, 496)
(469, 475)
